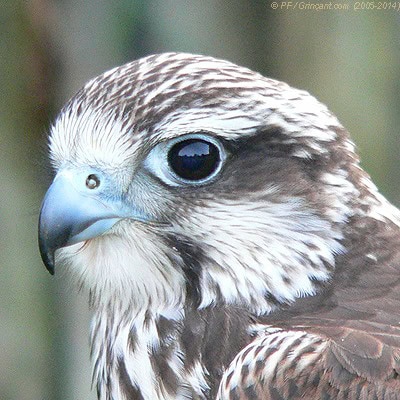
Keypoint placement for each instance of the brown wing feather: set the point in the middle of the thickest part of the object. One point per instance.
(299, 364)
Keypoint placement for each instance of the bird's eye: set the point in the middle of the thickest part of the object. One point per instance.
(92, 181)
(194, 159)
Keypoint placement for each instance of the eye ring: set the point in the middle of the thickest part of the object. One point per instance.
(194, 159)
(157, 162)
(92, 181)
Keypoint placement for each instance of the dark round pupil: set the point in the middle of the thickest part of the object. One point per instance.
(92, 181)
(194, 159)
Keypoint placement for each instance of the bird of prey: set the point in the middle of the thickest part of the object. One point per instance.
(230, 243)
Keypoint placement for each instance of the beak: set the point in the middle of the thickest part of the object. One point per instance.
(70, 216)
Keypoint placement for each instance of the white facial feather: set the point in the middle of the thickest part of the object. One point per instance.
(91, 139)
(127, 268)
(277, 258)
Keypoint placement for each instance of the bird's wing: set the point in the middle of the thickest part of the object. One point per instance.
(334, 363)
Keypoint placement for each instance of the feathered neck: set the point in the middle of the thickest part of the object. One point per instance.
(176, 354)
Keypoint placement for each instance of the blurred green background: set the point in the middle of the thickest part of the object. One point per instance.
(349, 59)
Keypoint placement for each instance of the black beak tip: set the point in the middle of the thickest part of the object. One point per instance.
(48, 260)
(47, 256)
(50, 268)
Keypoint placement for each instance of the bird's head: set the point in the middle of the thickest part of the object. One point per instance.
(186, 178)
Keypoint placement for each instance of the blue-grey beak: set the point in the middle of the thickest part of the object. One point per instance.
(70, 216)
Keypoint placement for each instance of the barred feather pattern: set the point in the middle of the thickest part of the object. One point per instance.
(273, 361)
(235, 289)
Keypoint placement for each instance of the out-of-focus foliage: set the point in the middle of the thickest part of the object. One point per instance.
(349, 59)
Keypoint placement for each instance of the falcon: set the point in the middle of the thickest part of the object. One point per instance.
(230, 244)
